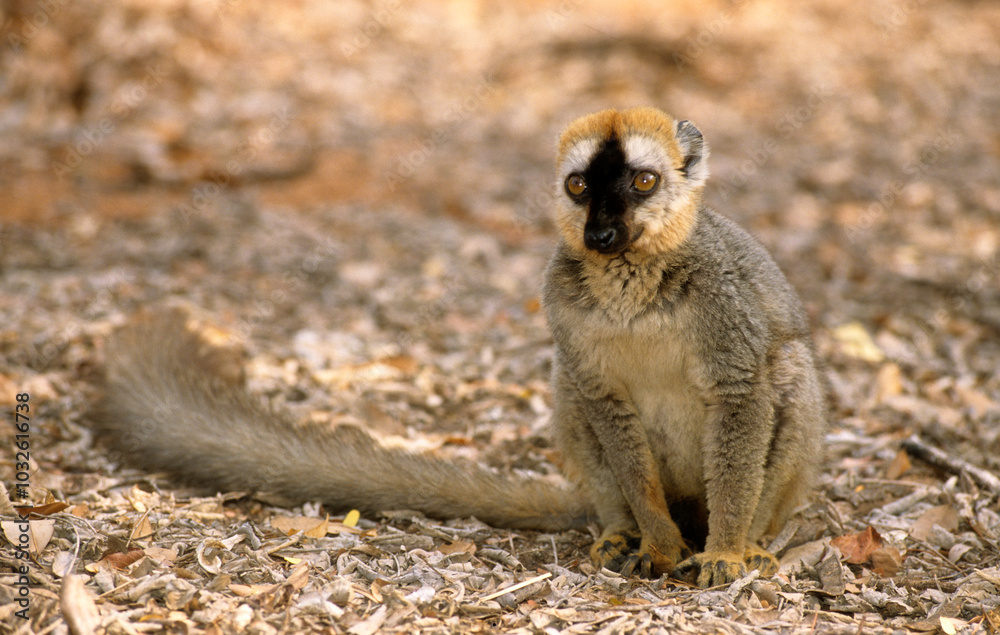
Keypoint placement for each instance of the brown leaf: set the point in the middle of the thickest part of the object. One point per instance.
(900, 465)
(888, 382)
(143, 528)
(319, 530)
(404, 363)
(944, 516)
(122, 560)
(858, 548)
(298, 577)
(161, 555)
(454, 439)
(43, 510)
(289, 525)
(459, 546)
(80, 511)
(886, 561)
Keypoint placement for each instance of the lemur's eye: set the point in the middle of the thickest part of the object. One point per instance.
(645, 181)
(575, 185)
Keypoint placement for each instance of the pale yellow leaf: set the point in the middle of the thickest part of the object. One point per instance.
(951, 626)
(289, 525)
(319, 530)
(854, 341)
(142, 529)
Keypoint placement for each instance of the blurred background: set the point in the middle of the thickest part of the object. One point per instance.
(353, 181)
(361, 191)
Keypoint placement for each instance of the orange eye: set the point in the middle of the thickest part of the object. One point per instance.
(575, 185)
(645, 181)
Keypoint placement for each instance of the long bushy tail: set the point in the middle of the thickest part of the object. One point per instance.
(175, 403)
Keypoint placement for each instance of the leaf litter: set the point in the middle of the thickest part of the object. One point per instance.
(379, 257)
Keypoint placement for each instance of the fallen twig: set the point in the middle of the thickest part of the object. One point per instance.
(938, 458)
(519, 585)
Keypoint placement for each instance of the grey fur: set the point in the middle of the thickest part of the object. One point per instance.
(172, 404)
(684, 379)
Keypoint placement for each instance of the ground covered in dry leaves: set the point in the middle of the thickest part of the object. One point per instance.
(360, 192)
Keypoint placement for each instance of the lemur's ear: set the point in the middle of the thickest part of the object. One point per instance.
(695, 152)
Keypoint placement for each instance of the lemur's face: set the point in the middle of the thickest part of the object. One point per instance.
(626, 179)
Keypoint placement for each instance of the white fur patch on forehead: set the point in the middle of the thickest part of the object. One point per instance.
(577, 157)
(643, 151)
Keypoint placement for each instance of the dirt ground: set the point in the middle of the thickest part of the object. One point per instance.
(360, 192)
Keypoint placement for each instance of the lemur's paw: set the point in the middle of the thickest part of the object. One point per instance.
(625, 552)
(712, 568)
(757, 558)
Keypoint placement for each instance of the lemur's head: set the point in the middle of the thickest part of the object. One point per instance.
(629, 180)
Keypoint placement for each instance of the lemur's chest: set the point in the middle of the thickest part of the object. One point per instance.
(652, 361)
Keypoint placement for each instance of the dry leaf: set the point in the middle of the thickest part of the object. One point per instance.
(299, 576)
(242, 590)
(352, 518)
(944, 516)
(122, 560)
(900, 465)
(858, 548)
(867, 547)
(161, 555)
(210, 561)
(335, 528)
(62, 563)
(886, 561)
(975, 399)
(46, 509)
(376, 589)
(140, 500)
(80, 511)
(459, 546)
(248, 590)
(39, 532)
(311, 527)
(78, 607)
(888, 382)
(319, 530)
(142, 529)
(371, 624)
(404, 363)
(958, 550)
(854, 341)
(803, 556)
